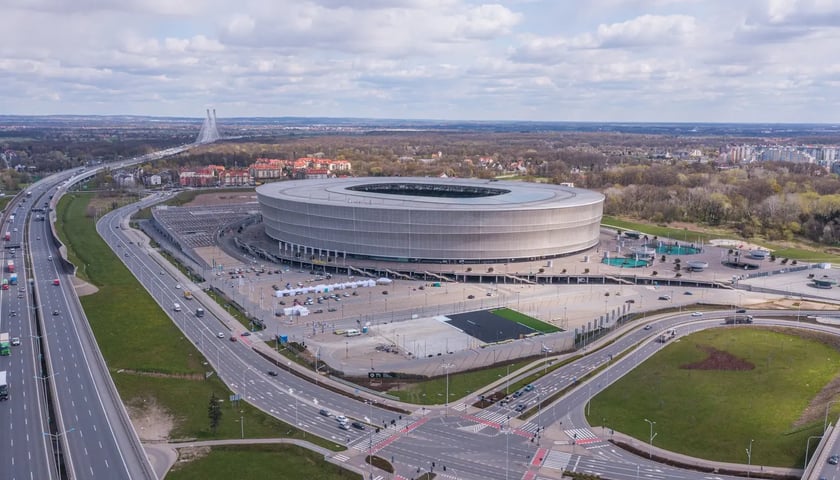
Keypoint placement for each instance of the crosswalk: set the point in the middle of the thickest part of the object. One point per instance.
(582, 436)
(460, 407)
(475, 428)
(340, 457)
(365, 442)
(493, 417)
(557, 460)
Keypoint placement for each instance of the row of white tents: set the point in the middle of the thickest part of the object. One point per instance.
(321, 288)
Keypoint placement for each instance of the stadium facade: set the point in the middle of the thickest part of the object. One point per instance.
(429, 220)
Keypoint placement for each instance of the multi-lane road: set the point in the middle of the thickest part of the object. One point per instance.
(92, 429)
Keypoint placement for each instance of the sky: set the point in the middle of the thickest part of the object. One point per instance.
(775, 61)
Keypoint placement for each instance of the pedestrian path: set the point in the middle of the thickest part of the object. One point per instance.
(557, 460)
(582, 436)
(364, 442)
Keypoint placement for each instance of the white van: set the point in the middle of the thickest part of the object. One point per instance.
(177, 307)
(353, 332)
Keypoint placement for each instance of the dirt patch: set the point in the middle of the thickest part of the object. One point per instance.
(84, 288)
(188, 454)
(152, 422)
(211, 199)
(719, 360)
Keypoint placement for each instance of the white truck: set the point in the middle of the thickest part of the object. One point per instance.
(4, 387)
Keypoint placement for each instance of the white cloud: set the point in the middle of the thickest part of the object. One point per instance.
(507, 59)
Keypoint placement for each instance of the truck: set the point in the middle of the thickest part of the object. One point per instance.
(5, 345)
(669, 334)
(188, 294)
(10, 266)
(738, 319)
(4, 387)
(13, 279)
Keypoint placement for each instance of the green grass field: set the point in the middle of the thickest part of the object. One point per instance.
(275, 461)
(531, 322)
(433, 392)
(149, 359)
(714, 414)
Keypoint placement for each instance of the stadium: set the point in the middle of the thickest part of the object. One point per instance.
(429, 220)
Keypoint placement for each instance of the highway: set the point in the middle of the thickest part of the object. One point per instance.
(25, 450)
(474, 443)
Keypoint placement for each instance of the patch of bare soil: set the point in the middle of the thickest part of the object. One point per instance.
(188, 454)
(84, 288)
(211, 199)
(152, 422)
(719, 360)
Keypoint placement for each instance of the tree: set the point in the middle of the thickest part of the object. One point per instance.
(214, 412)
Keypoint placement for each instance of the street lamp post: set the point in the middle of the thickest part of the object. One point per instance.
(55, 437)
(827, 407)
(447, 366)
(749, 458)
(808, 447)
(652, 436)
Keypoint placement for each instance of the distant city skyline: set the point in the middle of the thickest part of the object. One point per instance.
(764, 61)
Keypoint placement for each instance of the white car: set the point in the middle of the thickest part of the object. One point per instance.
(696, 314)
(341, 419)
(15, 341)
(220, 335)
(178, 286)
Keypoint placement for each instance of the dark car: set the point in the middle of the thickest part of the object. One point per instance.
(272, 373)
(358, 425)
(470, 297)
(517, 394)
(740, 311)
(529, 387)
(648, 327)
(834, 459)
(55, 312)
(324, 412)
(520, 407)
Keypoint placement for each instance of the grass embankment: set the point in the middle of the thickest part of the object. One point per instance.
(693, 235)
(714, 413)
(260, 461)
(433, 392)
(151, 362)
(530, 322)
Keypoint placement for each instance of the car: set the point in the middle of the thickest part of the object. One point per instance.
(358, 425)
(648, 327)
(520, 407)
(665, 297)
(834, 459)
(741, 311)
(178, 286)
(517, 394)
(55, 313)
(245, 334)
(49, 258)
(232, 338)
(489, 294)
(56, 282)
(696, 314)
(343, 426)
(332, 309)
(341, 419)
(346, 294)
(529, 387)
(384, 292)
(325, 413)
(220, 335)
(470, 297)
(37, 238)
(272, 373)
(15, 341)
(688, 293)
